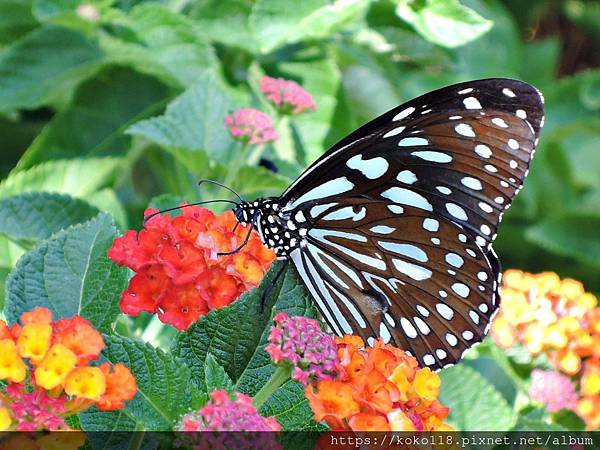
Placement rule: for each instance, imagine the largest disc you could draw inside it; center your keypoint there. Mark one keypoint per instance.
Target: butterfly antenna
(223, 186)
(147, 218)
(243, 244)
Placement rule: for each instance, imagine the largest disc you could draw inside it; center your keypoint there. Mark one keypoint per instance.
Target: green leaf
(76, 177)
(166, 389)
(257, 180)
(43, 65)
(70, 274)
(444, 22)
(103, 108)
(35, 216)
(15, 20)
(194, 120)
(225, 21)
(215, 376)
(276, 24)
(474, 403)
(574, 235)
(237, 344)
(291, 409)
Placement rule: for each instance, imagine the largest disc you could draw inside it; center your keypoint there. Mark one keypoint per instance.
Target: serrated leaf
(444, 22)
(474, 403)
(166, 389)
(43, 64)
(215, 376)
(574, 235)
(194, 120)
(290, 408)
(70, 274)
(104, 107)
(76, 177)
(233, 334)
(35, 216)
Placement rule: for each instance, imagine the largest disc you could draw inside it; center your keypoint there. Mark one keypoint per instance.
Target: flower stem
(137, 438)
(281, 375)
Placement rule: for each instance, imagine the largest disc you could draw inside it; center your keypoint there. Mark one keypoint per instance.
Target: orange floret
(120, 386)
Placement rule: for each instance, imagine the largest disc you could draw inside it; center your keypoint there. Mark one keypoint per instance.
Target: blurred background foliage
(118, 104)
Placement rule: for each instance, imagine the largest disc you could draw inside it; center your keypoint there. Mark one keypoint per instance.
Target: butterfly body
(391, 229)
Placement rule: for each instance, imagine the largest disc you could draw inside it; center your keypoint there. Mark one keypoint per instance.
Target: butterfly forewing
(397, 219)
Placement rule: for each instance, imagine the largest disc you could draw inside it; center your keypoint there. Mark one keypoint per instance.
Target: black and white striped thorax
(278, 230)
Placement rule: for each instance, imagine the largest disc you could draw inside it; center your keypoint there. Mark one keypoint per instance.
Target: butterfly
(391, 229)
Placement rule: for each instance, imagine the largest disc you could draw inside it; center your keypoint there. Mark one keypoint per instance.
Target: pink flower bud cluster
(251, 125)
(222, 413)
(301, 342)
(287, 95)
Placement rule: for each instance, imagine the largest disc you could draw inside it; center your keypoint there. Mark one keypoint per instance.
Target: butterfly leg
(267, 291)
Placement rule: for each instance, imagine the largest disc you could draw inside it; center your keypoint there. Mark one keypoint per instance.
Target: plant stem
(137, 438)
(281, 375)
(235, 166)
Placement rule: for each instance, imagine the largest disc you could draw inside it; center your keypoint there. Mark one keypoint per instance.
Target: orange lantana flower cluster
(179, 274)
(557, 317)
(47, 367)
(378, 389)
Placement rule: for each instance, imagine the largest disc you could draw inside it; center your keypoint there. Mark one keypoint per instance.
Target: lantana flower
(225, 412)
(557, 317)
(287, 95)
(46, 366)
(252, 126)
(179, 274)
(378, 389)
(299, 342)
(553, 389)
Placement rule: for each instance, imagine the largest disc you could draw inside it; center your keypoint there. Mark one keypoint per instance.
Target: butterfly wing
(400, 216)
(462, 152)
(381, 269)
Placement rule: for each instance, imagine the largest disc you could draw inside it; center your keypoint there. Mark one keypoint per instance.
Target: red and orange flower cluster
(557, 317)
(378, 389)
(179, 274)
(47, 367)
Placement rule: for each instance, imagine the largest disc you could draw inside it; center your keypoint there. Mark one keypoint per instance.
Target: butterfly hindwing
(420, 283)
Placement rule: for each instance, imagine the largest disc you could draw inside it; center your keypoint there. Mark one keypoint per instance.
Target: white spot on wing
(431, 225)
(472, 183)
(407, 177)
(404, 113)
(483, 151)
(465, 91)
(384, 333)
(412, 141)
(407, 197)
(412, 251)
(508, 92)
(512, 143)
(413, 271)
(428, 359)
(499, 122)
(370, 168)
(456, 211)
(437, 157)
(332, 187)
(454, 260)
(394, 132)
(464, 130)
(444, 190)
(347, 212)
(408, 328)
(461, 289)
(485, 207)
(382, 229)
(422, 326)
(315, 211)
(471, 103)
(521, 114)
(451, 339)
(445, 311)
(396, 209)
